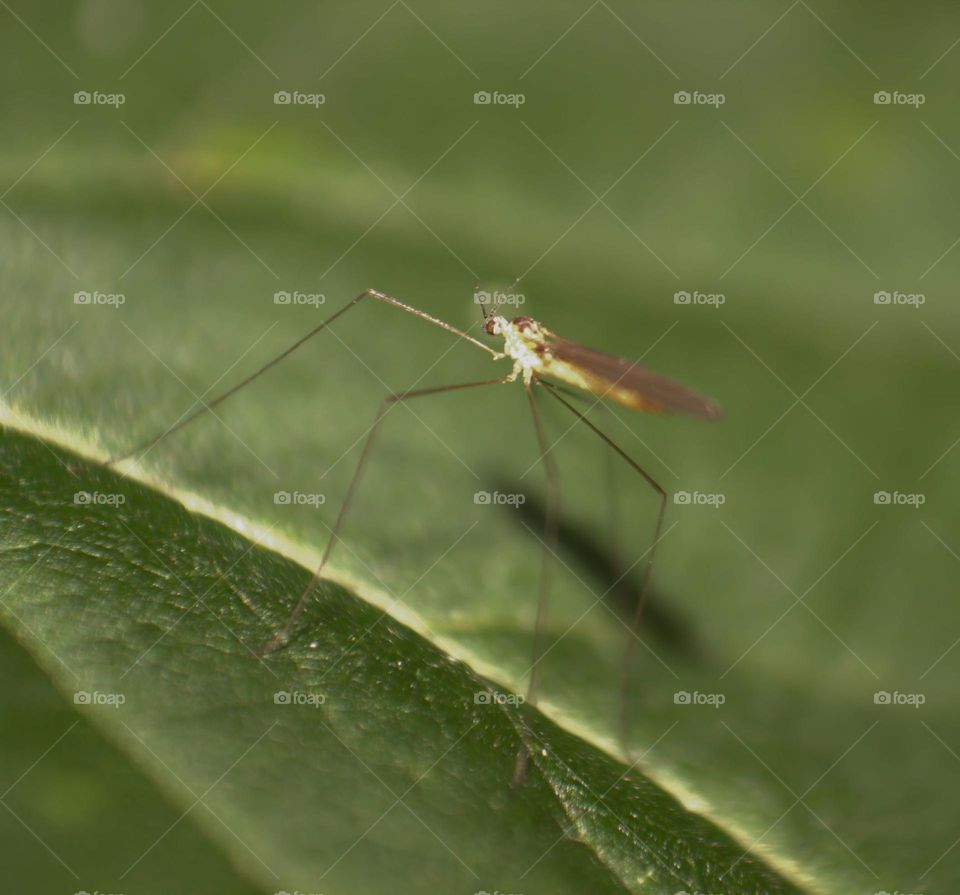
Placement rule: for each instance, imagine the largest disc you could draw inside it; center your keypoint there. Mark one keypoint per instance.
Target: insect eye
(491, 327)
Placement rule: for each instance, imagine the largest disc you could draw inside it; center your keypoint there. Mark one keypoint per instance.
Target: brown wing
(622, 380)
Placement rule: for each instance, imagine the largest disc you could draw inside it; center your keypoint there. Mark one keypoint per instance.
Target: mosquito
(540, 359)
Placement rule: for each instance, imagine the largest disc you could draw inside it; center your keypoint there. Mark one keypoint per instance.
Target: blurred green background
(798, 200)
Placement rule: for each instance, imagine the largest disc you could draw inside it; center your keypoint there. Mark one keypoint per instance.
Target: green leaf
(797, 600)
(309, 765)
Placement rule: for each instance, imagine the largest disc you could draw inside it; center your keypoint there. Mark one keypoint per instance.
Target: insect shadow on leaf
(602, 565)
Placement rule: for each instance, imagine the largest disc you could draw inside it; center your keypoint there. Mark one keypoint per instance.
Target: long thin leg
(207, 406)
(283, 635)
(610, 481)
(551, 517)
(641, 597)
(617, 565)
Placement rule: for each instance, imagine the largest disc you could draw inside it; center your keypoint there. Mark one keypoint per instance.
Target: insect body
(524, 340)
(536, 351)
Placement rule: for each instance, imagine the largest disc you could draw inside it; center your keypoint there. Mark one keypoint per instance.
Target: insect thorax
(524, 340)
